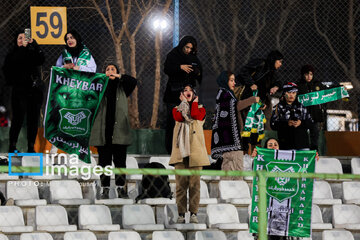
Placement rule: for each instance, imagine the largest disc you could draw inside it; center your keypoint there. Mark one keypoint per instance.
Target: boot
(105, 193)
(122, 193)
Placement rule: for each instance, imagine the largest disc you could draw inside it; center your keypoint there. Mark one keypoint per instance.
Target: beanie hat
(290, 87)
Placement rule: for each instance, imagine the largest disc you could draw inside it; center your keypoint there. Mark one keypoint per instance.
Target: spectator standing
(308, 84)
(182, 67)
(75, 56)
(291, 120)
(22, 72)
(226, 139)
(188, 151)
(111, 130)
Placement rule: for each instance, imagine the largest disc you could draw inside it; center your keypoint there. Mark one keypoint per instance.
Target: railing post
(262, 205)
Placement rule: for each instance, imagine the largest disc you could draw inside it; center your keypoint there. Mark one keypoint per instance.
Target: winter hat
(290, 87)
(306, 69)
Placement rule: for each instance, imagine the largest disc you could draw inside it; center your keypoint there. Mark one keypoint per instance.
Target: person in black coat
(182, 67)
(308, 84)
(260, 74)
(291, 120)
(22, 71)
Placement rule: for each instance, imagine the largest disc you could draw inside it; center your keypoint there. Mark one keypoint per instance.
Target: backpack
(154, 186)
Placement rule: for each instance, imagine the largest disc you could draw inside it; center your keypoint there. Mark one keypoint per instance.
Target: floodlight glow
(160, 24)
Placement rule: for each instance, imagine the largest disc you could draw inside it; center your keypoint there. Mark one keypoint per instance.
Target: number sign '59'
(48, 24)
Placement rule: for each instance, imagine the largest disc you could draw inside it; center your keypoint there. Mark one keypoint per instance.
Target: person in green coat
(111, 130)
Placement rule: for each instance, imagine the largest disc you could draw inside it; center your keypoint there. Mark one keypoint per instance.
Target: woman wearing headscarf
(226, 140)
(183, 67)
(22, 72)
(76, 55)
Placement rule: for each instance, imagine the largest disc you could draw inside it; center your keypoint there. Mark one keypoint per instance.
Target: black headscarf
(185, 40)
(272, 57)
(74, 51)
(223, 80)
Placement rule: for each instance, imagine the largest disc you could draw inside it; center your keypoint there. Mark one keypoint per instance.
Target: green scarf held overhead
(83, 59)
(324, 96)
(255, 121)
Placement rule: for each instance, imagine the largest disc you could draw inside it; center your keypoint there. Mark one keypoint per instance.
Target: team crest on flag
(282, 188)
(74, 122)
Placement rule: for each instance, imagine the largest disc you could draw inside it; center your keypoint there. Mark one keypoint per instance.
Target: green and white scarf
(82, 60)
(324, 96)
(255, 121)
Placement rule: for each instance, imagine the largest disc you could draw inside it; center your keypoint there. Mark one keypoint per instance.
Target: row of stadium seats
(237, 192)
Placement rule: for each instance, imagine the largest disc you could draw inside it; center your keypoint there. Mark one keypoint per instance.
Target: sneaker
(105, 193)
(122, 192)
(193, 218)
(181, 219)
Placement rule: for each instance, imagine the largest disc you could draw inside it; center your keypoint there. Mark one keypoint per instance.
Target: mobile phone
(27, 34)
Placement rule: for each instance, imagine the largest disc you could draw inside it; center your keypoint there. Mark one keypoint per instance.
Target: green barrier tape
(186, 172)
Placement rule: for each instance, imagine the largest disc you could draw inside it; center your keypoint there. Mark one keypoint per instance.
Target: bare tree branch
(19, 6)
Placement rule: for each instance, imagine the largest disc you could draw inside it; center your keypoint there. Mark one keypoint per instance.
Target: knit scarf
(82, 60)
(183, 137)
(255, 121)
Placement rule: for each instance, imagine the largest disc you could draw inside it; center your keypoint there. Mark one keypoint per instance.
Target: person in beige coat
(188, 151)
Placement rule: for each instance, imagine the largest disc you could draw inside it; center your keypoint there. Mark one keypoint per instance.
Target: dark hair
(270, 138)
(188, 39)
(191, 86)
(229, 73)
(306, 69)
(113, 64)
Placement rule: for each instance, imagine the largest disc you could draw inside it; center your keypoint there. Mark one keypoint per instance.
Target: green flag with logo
(72, 103)
(289, 200)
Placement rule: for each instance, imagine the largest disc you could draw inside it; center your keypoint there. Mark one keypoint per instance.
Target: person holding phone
(76, 55)
(188, 151)
(291, 120)
(182, 67)
(22, 72)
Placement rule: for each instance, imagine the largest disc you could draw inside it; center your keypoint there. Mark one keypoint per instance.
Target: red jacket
(196, 113)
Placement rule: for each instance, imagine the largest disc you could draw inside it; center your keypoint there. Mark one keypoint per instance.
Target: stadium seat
(139, 218)
(25, 193)
(351, 192)
(337, 235)
(157, 201)
(131, 162)
(244, 235)
(96, 218)
(67, 192)
(52, 218)
(12, 220)
(248, 166)
(127, 235)
(164, 161)
(167, 235)
(317, 222)
(355, 165)
(79, 236)
(235, 192)
(171, 216)
(346, 216)
(224, 217)
(204, 195)
(328, 165)
(3, 237)
(36, 236)
(210, 235)
(322, 194)
(34, 161)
